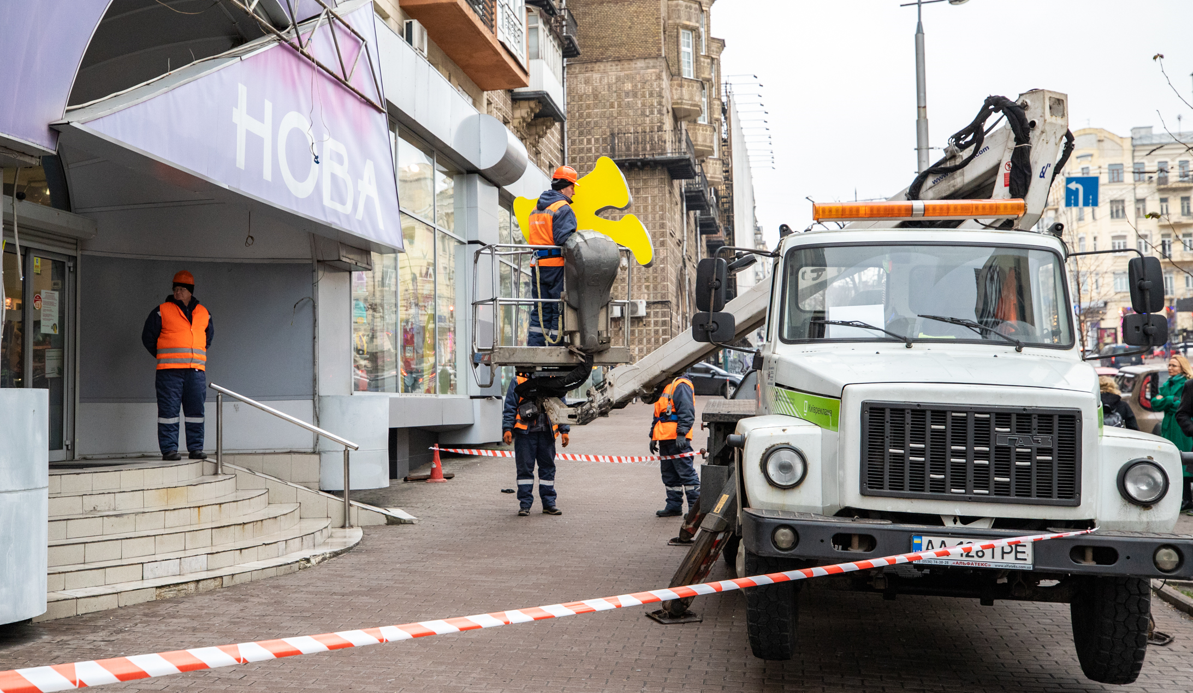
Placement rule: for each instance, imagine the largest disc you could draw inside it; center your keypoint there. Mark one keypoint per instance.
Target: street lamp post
(921, 86)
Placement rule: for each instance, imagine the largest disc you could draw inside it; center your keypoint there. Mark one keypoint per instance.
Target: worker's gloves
(565, 439)
(507, 437)
(654, 447)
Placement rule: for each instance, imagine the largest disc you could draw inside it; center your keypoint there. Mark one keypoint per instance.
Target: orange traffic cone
(436, 470)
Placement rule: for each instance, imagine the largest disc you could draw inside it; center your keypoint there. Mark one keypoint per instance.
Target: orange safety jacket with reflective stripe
(665, 417)
(182, 343)
(518, 417)
(542, 232)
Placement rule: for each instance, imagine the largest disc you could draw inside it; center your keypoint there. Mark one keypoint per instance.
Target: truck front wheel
(1110, 624)
(771, 611)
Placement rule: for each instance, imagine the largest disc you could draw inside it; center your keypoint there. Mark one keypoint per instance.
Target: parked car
(711, 380)
(1111, 358)
(1138, 384)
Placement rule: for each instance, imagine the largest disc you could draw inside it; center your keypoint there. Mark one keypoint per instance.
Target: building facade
(646, 92)
(1145, 203)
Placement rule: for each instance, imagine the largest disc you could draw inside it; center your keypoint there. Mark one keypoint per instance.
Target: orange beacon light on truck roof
(918, 209)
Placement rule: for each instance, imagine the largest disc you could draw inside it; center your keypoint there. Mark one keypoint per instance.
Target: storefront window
(445, 195)
(12, 335)
(416, 179)
(374, 326)
(448, 315)
(416, 312)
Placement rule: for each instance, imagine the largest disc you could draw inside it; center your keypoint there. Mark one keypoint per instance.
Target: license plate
(1018, 557)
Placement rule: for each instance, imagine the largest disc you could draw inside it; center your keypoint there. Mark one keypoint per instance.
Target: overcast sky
(838, 80)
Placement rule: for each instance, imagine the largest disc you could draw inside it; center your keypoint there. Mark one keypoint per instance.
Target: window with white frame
(1140, 207)
(686, 64)
(1081, 244)
(1081, 214)
(1139, 171)
(1186, 208)
(1182, 170)
(1085, 170)
(1187, 241)
(704, 34)
(1118, 242)
(511, 26)
(1161, 173)
(1163, 206)
(1141, 243)
(1120, 282)
(1118, 209)
(1114, 173)
(1169, 284)
(1166, 246)
(541, 44)
(703, 104)
(1189, 281)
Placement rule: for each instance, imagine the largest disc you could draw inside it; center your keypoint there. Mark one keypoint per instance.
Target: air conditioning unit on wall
(637, 309)
(415, 34)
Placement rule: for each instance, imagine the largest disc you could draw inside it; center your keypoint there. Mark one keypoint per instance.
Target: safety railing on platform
(219, 438)
(498, 254)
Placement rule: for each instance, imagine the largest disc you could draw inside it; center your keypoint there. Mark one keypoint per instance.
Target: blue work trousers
(545, 282)
(530, 448)
(186, 387)
(679, 475)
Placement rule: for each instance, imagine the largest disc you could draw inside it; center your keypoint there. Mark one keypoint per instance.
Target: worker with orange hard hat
(551, 223)
(178, 334)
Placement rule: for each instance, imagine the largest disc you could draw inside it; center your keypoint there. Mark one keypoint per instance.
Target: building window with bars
(686, 65)
(1118, 209)
(1139, 171)
(1120, 282)
(1118, 243)
(1115, 173)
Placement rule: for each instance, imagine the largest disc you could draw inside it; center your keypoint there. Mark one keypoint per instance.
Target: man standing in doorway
(178, 334)
(533, 437)
(551, 223)
(670, 433)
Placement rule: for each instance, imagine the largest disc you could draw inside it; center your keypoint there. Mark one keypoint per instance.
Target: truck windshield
(1016, 292)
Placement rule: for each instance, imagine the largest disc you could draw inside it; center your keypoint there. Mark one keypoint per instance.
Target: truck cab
(924, 387)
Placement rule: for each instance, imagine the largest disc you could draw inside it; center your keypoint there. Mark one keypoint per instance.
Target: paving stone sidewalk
(471, 554)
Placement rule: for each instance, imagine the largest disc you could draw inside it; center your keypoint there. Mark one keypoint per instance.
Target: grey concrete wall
(24, 503)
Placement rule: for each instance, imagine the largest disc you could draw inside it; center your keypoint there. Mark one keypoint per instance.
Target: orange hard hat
(184, 277)
(565, 173)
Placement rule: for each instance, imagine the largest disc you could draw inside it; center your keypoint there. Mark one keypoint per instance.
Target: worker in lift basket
(670, 433)
(533, 437)
(551, 223)
(178, 334)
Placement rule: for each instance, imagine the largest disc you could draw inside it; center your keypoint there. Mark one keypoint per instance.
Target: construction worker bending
(178, 333)
(551, 223)
(670, 433)
(533, 437)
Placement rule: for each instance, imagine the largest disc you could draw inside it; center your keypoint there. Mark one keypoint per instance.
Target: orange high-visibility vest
(665, 419)
(518, 417)
(182, 343)
(542, 232)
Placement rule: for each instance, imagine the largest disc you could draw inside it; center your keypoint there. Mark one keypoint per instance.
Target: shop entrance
(37, 344)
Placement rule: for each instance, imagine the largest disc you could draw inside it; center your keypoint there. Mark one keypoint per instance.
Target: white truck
(921, 385)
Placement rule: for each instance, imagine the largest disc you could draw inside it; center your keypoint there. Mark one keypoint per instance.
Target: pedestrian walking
(533, 436)
(1168, 400)
(551, 223)
(1115, 412)
(178, 334)
(670, 434)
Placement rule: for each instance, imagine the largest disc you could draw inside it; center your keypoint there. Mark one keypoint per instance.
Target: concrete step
(126, 476)
(228, 507)
(305, 535)
(273, 518)
(63, 603)
(176, 493)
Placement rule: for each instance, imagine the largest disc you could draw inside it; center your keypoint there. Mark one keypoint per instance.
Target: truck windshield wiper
(976, 327)
(865, 326)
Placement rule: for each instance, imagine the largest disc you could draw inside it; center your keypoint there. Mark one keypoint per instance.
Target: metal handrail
(219, 437)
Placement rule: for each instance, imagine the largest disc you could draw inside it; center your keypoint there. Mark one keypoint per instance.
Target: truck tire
(1110, 623)
(771, 611)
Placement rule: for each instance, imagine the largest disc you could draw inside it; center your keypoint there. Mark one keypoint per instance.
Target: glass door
(36, 350)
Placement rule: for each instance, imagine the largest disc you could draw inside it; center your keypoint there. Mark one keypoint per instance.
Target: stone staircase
(138, 531)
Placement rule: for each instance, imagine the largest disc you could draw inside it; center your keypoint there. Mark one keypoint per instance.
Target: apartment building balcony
(666, 148)
(687, 98)
(686, 13)
(466, 30)
(703, 139)
(709, 222)
(698, 194)
(565, 28)
(1171, 182)
(704, 68)
(714, 170)
(545, 88)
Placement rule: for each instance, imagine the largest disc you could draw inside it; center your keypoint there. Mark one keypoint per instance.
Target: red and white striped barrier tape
(62, 677)
(571, 456)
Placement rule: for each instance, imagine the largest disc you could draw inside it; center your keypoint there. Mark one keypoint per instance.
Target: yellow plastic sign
(604, 188)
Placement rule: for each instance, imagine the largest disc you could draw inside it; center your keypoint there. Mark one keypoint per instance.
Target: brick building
(646, 92)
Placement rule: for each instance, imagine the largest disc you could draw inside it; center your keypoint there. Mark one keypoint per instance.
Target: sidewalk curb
(1174, 597)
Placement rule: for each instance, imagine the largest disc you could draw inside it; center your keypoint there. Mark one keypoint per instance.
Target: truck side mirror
(741, 263)
(1146, 279)
(713, 327)
(710, 284)
(1143, 329)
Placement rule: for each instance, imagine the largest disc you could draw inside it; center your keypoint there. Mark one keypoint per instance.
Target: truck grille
(992, 454)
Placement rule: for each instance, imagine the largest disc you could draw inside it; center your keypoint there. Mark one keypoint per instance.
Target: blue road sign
(1081, 191)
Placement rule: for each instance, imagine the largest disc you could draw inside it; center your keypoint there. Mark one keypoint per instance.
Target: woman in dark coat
(1115, 412)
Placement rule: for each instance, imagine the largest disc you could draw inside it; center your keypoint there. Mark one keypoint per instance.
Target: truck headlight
(1142, 482)
(784, 466)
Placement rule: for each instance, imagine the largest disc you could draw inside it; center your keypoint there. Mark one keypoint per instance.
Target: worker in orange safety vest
(670, 434)
(551, 223)
(178, 334)
(532, 434)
